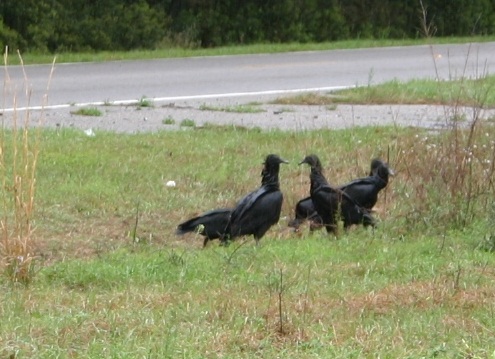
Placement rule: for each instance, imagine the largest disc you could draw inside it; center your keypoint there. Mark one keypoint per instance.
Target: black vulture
(363, 190)
(305, 210)
(260, 209)
(210, 224)
(333, 204)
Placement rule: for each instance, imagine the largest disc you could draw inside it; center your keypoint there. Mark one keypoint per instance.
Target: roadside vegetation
(253, 107)
(34, 57)
(457, 92)
(118, 25)
(87, 111)
(91, 266)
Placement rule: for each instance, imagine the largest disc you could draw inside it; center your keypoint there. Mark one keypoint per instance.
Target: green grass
(253, 107)
(464, 92)
(87, 111)
(30, 58)
(187, 122)
(420, 286)
(144, 102)
(168, 121)
(396, 299)
(461, 92)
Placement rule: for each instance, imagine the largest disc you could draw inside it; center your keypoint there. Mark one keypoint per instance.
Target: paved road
(203, 77)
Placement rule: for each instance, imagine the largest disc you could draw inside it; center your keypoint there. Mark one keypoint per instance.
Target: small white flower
(89, 132)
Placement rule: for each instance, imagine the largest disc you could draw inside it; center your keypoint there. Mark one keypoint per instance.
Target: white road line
(181, 98)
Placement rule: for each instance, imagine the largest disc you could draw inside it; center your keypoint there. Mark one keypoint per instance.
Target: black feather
(260, 209)
(332, 204)
(364, 191)
(210, 224)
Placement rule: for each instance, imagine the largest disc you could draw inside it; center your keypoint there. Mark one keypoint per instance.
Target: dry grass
(18, 162)
(450, 175)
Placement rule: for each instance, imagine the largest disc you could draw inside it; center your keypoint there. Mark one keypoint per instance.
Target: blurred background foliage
(51, 26)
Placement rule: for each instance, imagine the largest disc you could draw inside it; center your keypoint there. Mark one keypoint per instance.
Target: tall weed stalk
(19, 150)
(449, 175)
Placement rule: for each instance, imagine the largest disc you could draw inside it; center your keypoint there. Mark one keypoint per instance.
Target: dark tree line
(74, 25)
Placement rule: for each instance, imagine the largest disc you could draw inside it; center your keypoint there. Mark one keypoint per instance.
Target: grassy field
(112, 280)
(108, 277)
